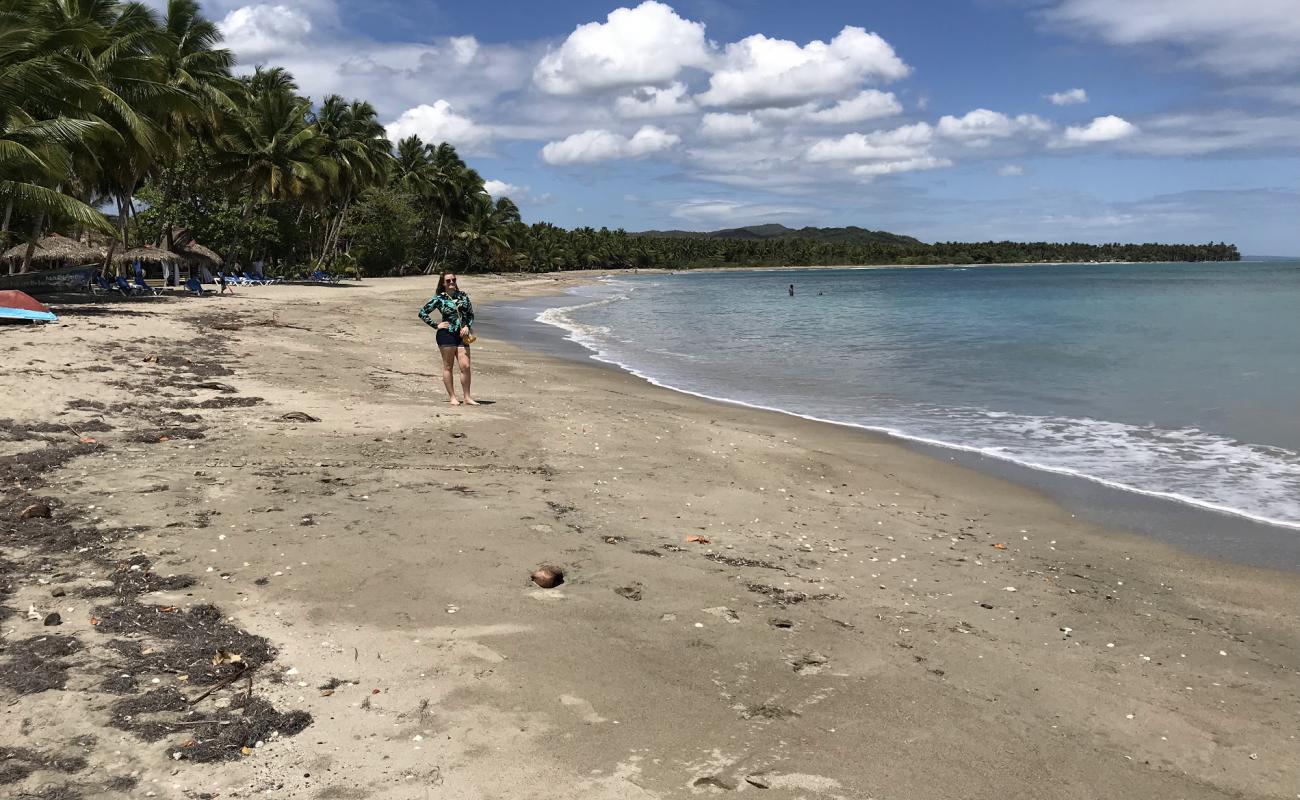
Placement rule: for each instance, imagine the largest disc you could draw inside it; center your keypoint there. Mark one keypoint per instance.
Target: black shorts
(448, 339)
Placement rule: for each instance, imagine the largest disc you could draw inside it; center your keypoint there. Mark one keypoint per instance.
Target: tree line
(111, 105)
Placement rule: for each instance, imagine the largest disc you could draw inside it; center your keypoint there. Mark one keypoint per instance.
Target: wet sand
(863, 620)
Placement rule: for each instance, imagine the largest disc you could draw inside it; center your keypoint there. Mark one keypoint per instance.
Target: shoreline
(786, 268)
(846, 631)
(1167, 510)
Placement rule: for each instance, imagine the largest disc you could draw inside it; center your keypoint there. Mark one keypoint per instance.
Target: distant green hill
(777, 245)
(850, 235)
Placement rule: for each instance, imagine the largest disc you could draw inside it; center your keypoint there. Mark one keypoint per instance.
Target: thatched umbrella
(164, 260)
(146, 255)
(199, 255)
(56, 251)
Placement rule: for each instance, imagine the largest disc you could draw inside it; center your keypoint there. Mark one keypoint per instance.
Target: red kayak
(16, 305)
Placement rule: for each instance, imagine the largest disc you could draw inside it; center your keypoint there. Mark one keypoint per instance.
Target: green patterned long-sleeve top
(455, 308)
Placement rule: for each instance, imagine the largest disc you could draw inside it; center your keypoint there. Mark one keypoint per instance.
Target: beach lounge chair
(194, 287)
(144, 287)
(105, 287)
(100, 286)
(125, 288)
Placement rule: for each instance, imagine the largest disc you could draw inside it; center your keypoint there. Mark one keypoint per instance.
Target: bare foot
(454, 401)
(469, 401)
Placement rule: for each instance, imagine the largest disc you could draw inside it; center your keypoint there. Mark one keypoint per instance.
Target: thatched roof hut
(146, 256)
(198, 255)
(56, 251)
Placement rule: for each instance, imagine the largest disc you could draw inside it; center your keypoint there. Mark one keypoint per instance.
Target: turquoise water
(1179, 381)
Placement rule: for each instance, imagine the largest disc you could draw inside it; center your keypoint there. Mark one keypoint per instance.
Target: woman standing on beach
(453, 333)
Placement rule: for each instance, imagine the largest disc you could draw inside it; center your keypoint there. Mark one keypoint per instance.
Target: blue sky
(1173, 120)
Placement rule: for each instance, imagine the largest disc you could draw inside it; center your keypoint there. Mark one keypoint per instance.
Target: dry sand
(863, 621)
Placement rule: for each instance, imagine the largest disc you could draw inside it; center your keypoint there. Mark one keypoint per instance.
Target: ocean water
(1178, 381)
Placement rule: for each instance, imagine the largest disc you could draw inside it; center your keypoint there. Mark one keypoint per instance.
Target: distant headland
(775, 244)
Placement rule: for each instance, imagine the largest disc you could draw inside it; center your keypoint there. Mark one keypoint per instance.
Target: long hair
(442, 282)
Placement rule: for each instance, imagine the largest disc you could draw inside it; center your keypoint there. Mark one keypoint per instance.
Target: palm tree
(270, 153)
(268, 80)
(192, 61)
(353, 139)
(40, 125)
(487, 230)
(412, 167)
(117, 46)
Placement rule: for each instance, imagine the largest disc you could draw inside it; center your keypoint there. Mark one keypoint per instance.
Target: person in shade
(454, 334)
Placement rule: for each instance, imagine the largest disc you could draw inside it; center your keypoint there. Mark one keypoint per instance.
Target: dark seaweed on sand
(229, 402)
(786, 597)
(36, 664)
(17, 763)
(209, 734)
(142, 640)
(134, 577)
(155, 435)
(189, 641)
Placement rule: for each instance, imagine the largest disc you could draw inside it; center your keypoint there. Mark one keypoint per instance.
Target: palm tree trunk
(31, 245)
(4, 229)
(248, 214)
(332, 233)
(437, 240)
(122, 220)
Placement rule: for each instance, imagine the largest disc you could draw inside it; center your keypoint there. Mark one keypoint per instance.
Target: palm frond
(33, 197)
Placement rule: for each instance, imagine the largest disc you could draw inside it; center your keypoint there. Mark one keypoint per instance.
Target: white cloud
(1012, 171)
(258, 31)
(981, 126)
(907, 142)
(439, 123)
(499, 189)
(758, 72)
(649, 44)
(651, 101)
(1109, 128)
(732, 213)
(905, 165)
(602, 145)
(866, 105)
(887, 152)
(788, 114)
(464, 48)
(1254, 36)
(326, 55)
(729, 126)
(1070, 97)
(1225, 131)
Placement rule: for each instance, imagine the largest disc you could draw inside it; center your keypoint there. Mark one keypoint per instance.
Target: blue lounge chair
(125, 288)
(144, 287)
(192, 285)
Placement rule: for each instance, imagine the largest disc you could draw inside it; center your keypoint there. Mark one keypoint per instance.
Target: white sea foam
(1186, 465)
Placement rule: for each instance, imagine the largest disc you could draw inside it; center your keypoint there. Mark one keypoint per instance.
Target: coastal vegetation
(121, 125)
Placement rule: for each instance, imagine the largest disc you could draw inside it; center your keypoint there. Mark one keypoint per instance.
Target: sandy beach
(752, 603)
